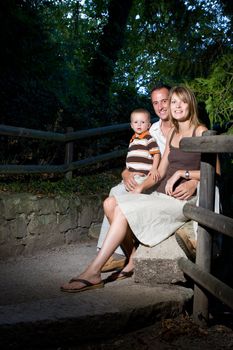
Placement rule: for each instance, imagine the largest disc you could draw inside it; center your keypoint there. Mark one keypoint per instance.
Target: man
(159, 130)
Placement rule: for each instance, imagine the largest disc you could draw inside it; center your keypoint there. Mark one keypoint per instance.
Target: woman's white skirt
(152, 217)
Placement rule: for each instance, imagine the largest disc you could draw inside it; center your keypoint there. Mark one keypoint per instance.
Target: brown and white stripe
(140, 153)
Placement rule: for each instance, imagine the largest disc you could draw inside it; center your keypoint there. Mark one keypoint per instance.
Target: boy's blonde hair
(141, 110)
(186, 95)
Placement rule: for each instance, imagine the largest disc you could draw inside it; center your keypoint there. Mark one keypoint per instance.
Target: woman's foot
(81, 283)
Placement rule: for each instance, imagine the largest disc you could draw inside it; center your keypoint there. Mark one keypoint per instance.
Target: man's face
(159, 99)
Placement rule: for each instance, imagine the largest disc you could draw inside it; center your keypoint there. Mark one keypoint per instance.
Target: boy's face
(140, 122)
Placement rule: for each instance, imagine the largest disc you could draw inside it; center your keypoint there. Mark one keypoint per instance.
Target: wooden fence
(68, 139)
(208, 221)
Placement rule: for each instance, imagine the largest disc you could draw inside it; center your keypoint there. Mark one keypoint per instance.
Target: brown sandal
(87, 286)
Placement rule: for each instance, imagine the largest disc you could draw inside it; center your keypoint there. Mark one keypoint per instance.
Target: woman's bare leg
(118, 230)
(127, 245)
(130, 265)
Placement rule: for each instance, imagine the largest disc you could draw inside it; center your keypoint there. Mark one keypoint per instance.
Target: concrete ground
(34, 313)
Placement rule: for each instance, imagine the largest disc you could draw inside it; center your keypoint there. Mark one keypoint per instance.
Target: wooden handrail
(208, 144)
(205, 280)
(55, 136)
(36, 169)
(68, 138)
(208, 221)
(208, 218)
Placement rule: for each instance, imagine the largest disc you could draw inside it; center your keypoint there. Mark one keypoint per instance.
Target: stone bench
(159, 264)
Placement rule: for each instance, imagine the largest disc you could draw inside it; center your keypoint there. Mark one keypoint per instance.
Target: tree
(29, 66)
(176, 41)
(216, 91)
(101, 67)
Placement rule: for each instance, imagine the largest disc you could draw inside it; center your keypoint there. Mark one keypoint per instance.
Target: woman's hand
(185, 190)
(171, 182)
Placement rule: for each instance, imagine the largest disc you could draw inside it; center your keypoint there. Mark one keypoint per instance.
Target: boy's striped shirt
(140, 153)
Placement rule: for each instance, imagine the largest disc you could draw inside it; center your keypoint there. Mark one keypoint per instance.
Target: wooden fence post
(204, 236)
(69, 151)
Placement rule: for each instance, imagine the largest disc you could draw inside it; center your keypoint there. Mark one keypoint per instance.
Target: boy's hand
(155, 174)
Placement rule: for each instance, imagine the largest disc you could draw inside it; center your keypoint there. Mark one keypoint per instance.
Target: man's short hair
(160, 86)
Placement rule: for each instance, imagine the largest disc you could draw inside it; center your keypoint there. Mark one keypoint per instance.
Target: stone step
(35, 314)
(159, 264)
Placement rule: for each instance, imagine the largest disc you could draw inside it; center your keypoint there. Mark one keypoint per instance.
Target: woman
(149, 219)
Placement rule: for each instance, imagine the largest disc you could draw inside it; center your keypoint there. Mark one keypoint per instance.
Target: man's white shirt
(155, 131)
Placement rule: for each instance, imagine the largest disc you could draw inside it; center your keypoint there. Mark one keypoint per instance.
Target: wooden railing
(208, 221)
(68, 139)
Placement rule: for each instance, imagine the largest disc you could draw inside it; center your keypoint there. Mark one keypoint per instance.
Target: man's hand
(185, 190)
(137, 189)
(128, 179)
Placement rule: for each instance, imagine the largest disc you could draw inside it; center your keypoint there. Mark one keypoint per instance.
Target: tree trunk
(101, 69)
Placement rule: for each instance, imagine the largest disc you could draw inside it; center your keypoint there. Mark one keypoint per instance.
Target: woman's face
(179, 108)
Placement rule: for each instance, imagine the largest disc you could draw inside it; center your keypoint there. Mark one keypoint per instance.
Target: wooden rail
(67, 138)
(208, 145)
(55, 136)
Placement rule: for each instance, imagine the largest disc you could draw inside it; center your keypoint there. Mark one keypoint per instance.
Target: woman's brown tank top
(179, 159)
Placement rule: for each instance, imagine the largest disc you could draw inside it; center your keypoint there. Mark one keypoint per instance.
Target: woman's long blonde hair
(186, 95)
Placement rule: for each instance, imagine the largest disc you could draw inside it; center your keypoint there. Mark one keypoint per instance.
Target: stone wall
(29, 223)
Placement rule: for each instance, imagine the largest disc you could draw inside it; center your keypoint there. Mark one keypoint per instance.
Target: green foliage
(176, 41)
(80, 185)
(216, 91)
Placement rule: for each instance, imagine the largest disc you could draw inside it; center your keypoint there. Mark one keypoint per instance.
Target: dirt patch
(179, 333)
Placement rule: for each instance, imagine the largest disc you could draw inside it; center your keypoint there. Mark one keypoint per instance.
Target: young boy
(143, 153)
(142, 158)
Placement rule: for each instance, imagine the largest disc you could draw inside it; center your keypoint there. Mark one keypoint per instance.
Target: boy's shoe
(186, 244)
(113, 264)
